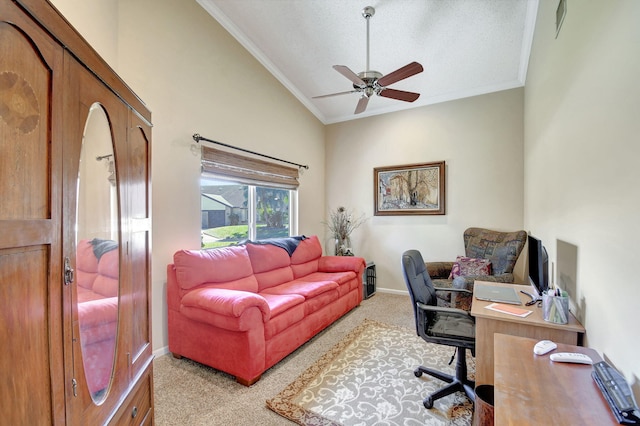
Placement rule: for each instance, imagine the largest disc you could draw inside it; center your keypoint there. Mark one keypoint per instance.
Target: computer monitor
(538, 266)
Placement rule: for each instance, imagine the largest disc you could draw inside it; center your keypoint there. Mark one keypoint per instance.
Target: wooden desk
(533, 390)
(489, 322)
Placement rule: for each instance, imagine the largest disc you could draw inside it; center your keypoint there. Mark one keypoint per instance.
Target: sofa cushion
(273, 278)
(86, 264)
(98, 319)
(321, 301)
(338, 277)
(267, 257)
(349, 286)
(286, 310)
(304, 259)
(106, 282)
(308, 289)
(279, 303)
(214, 266)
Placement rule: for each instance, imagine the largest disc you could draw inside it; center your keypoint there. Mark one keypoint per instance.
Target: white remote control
(576, 358)
(543, 347)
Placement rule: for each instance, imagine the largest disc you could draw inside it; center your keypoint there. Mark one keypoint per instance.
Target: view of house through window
(233, 212)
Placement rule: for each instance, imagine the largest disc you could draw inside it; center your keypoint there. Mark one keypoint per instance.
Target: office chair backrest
(417, 279)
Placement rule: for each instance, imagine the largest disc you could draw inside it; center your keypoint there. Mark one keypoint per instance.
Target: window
(243, 198)
(233, 212)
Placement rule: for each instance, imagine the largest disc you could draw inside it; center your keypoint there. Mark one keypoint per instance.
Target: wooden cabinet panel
(31, 362)
(139, 200)
(25, 100)
(49, 78)
(24, 332)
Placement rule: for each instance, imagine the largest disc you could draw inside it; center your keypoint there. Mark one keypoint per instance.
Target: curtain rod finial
(197, 137)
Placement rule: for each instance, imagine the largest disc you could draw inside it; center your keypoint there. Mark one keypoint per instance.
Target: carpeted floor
(188, 393)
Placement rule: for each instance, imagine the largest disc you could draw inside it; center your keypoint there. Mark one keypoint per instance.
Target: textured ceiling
(467, 47)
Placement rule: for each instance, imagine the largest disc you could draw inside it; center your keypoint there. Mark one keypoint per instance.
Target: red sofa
(97, 274)
(242, 309)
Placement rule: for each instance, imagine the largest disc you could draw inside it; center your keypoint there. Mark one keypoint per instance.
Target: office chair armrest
(453, 290)
(432, 308)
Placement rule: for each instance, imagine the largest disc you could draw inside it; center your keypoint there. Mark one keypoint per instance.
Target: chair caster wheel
(417, 373)
(428, 402)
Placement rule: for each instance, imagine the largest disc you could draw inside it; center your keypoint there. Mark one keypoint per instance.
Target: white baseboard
(393, 291)
(160, 352)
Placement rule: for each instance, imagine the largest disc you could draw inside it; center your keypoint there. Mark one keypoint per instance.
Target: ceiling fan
(371, 82)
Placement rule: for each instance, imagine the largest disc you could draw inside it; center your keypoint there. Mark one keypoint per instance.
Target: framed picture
(410, 189)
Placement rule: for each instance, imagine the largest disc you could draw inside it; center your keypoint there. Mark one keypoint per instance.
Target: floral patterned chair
(500, 249)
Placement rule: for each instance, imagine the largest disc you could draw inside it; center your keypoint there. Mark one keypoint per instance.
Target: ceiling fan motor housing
(371, 86)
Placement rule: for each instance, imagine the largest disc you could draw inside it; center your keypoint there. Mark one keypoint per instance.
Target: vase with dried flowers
(341, 224)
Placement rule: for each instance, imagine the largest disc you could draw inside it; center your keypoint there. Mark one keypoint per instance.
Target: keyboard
(617, 392)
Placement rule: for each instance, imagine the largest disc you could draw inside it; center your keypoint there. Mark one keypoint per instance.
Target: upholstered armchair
(501, 249)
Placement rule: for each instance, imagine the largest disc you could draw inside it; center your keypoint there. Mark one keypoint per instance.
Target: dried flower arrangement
(341, 224)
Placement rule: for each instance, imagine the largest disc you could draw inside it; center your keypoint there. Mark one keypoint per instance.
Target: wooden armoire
(75, 230)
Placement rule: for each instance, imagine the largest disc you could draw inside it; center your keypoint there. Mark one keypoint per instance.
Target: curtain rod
(198, 138)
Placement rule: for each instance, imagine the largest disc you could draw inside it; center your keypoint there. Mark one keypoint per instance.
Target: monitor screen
(538, 265)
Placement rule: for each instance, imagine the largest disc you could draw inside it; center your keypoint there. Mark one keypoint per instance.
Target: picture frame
(412, 189)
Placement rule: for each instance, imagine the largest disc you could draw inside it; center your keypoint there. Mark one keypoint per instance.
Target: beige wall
(479, 138)
(582, 145)
(196, 78)
(97, 22)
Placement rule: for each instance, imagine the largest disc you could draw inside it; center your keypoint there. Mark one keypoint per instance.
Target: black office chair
(444, 326)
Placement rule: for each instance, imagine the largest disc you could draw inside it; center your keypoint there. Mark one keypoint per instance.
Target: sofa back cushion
(225, 267)
(107, 282)
(86, 264)
(304, 260)
(271, 265)
(97, 267)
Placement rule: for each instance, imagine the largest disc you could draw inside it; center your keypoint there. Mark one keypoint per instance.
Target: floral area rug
(367, 379)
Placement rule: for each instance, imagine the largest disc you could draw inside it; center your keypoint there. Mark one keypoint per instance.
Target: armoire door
(96, 310)
(136, 279)
(31, 85)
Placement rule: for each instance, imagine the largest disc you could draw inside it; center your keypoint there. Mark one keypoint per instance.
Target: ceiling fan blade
(344, 70)
(400, 95)
(362, 105)
(400, 74)
(334, 94)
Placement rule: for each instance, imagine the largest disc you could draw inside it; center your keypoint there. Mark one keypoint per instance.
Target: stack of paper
(509, 309)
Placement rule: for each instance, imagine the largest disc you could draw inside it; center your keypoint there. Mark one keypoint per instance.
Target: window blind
(248, 170)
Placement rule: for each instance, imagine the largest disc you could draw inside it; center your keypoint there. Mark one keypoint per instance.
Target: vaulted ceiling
(467, 47)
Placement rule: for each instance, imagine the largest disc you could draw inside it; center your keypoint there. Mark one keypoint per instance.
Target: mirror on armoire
(97, 253)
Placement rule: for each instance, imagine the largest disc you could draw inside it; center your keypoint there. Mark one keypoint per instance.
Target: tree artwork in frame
(409, 190)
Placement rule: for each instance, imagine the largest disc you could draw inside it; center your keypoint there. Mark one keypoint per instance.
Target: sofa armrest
(230, 303)
(439, 270)
(341, 264)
